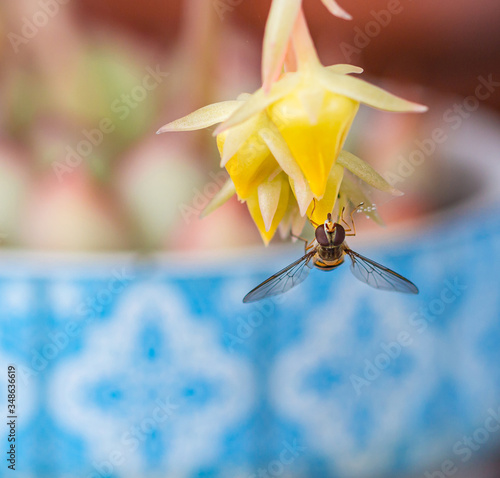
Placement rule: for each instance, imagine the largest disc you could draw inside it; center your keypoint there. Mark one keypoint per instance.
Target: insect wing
(283, 280)
(377, 275)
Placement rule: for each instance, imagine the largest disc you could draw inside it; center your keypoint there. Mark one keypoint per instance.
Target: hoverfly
(327, 252)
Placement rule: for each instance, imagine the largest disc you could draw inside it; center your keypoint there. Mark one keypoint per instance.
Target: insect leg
(341, 218)
(353, 229)
(306, 247)
(310, 220)
(348, 228)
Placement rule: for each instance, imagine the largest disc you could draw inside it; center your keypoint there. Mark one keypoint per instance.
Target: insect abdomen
(328, 258)
(327, 265)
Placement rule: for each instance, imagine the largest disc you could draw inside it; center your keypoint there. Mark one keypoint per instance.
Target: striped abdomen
(328, 258)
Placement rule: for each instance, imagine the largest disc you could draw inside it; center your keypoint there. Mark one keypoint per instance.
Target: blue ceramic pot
(127, 369)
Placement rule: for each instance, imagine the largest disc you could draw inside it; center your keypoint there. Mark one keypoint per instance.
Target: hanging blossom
(280, 23)
(282, 145)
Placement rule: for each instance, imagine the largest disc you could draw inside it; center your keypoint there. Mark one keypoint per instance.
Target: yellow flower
(314, 123)
(269, 208)
(279, 26)
(282, 145)
(246, 156)
(269, 204)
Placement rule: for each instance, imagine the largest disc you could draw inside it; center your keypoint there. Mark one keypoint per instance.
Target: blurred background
(117, 299)
(81, 166)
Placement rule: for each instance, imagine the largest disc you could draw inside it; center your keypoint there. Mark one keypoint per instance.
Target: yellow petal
(281, 152)
(365, 92)
(280, 23)
(252, 164)
(365, 172)
(319, 209)
(253, 203)
(342, 200)
(268, 193)
(260, 101)
(293, 222)
(203, 117)
(312, 102)
(344, 69)
(235, 138)
(314, 147)
(303, 195)
(286, 223)
(336, 10)
(226, 192)
(350, 192)
(298, 223)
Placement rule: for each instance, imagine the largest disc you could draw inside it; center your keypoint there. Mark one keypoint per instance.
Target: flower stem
(305, 51)
(290, 58)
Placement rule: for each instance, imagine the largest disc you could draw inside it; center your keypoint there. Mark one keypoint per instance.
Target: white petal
(243, 96)
(293, 222)
(269, 197)
(227, 191)
(284, 228)
(275, 173)
(298, 223)
(235, 137)
(203, 117)
(336, 10)
(350, 191)
(260, 101)
(280, 150)
(344, 69)
(279, 26)
(303, 195)
(365, 172)
(286, 223)
(365, 92)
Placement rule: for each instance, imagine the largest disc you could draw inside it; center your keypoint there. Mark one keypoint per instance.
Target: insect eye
(339, 235)
(321, 236)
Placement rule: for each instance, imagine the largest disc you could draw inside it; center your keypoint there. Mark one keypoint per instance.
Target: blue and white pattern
(128, 370)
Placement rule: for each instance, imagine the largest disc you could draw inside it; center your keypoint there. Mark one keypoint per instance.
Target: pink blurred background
(86, 83)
